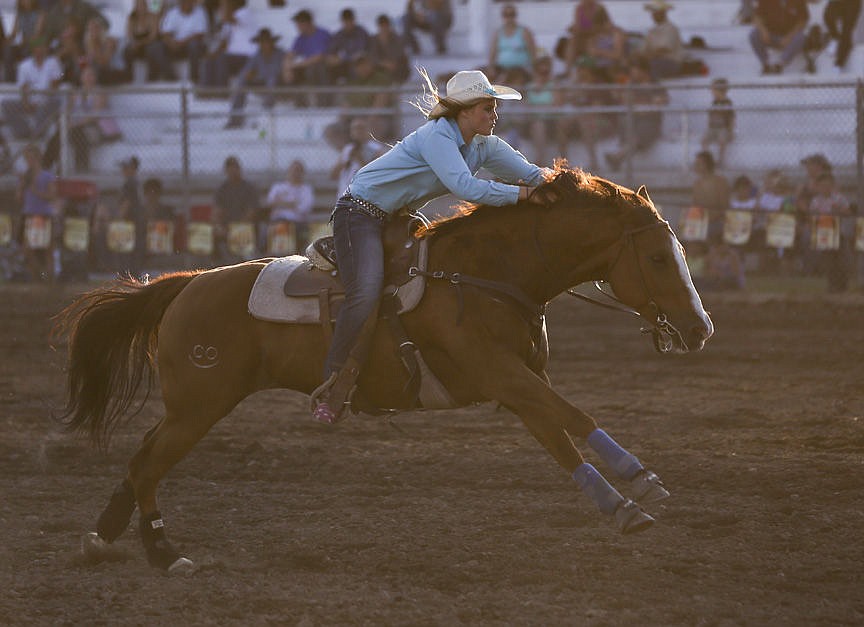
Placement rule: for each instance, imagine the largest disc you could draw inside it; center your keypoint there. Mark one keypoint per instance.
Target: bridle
(661, 329)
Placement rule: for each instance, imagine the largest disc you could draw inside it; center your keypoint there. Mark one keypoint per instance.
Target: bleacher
(771, 131)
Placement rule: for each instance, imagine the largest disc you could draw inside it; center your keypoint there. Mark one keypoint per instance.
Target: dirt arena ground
(460, 517)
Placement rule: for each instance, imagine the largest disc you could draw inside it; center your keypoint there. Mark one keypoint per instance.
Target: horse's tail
(112, 334)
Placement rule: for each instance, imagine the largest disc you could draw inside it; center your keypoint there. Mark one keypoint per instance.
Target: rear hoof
(647, 488)
(631, 518)
(182, 566)
(93, 547)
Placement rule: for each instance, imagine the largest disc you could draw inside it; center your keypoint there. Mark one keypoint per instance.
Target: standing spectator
(142, 30)
(645, 127)
(36, 192)
(306, 64)
(512, 45)
(827, 200)
(345, 44)
(231, 46)
(291, 200)
(262, 70)
(236, 200)
(721, 120)
(662, 46)
(711, 192)
(38, 78)
(360, 150)
(840, 18)
(181, 36)
(129, 209)
(24, 29)
(575, 45)
(432, 16)
(778, 24)
(387, 50)
(65, 11)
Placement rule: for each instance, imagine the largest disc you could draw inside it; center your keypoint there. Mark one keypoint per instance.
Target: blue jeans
(788, 53)
(360, 255)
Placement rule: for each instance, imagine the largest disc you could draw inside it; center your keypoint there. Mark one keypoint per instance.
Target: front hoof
(93, 547)
(183, 566)
(631, 518)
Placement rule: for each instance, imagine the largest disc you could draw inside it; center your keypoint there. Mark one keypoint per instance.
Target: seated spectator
(262, 70)
(387, 50)
(99, 53)
(345, 44)
(361, 148)
(231, 45)
(814, 165)
(647, 126)
(744, 197)
(181, 36)
(710, 192)
(662, 46)
(39, 75)
(512, 45)
(236, 200)
(369, 81)
(575, 44)
(724, 269)
(70, 53)
(432, 16)
(292, 201)
(90, 123)
(25, 27)
(607, 48)
(589, 127)
(840, 17)
(64, 11)
(36, 192)
(778, 24)
(541, 91)
(721, 120)
(306, 63)
(142, 29)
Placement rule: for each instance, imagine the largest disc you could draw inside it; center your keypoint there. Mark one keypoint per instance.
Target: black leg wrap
(115, 518)
(160, 553)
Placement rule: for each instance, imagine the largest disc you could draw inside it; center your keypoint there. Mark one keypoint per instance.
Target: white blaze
(695, 301)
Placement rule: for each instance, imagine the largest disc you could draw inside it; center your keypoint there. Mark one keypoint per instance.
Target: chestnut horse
(479, 327)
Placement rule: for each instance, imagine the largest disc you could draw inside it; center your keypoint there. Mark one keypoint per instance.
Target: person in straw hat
(662, 46)
(442, 155)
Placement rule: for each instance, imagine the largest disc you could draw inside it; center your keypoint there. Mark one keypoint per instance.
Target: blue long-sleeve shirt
(434, 160)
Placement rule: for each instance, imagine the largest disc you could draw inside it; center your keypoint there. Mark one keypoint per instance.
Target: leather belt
(352, 203)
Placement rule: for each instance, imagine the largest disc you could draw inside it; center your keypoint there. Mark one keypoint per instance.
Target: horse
(479, 326)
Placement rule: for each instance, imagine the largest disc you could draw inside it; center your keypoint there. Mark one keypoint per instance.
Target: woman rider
(443, 155)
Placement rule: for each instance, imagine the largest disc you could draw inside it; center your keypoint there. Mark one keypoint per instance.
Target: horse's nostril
(701, 331)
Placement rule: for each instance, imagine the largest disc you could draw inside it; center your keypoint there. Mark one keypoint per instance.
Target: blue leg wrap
(626, 465)
(597, 488)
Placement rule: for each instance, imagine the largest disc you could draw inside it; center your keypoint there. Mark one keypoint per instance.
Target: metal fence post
(63, 132)
(184, 122)
(859, 151)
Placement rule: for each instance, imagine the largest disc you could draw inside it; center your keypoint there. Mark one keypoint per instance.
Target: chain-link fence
(182, 135)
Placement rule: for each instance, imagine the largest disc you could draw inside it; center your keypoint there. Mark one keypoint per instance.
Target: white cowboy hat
(658, 5)
(469, 86)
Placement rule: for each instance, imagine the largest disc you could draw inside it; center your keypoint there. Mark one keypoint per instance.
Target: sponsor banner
(780, 230)
(120, 236)
(76, 234)
(825, 233)
(241, 238)
(281, 239)
(694, 224)
(199, 238)
(737, 227)
(5, 229)
(37, 232)
(160, 237)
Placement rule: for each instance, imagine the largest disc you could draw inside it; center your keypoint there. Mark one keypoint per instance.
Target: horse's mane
(566, 185)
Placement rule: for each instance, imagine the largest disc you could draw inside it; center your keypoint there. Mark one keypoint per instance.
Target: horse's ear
(643, 193)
